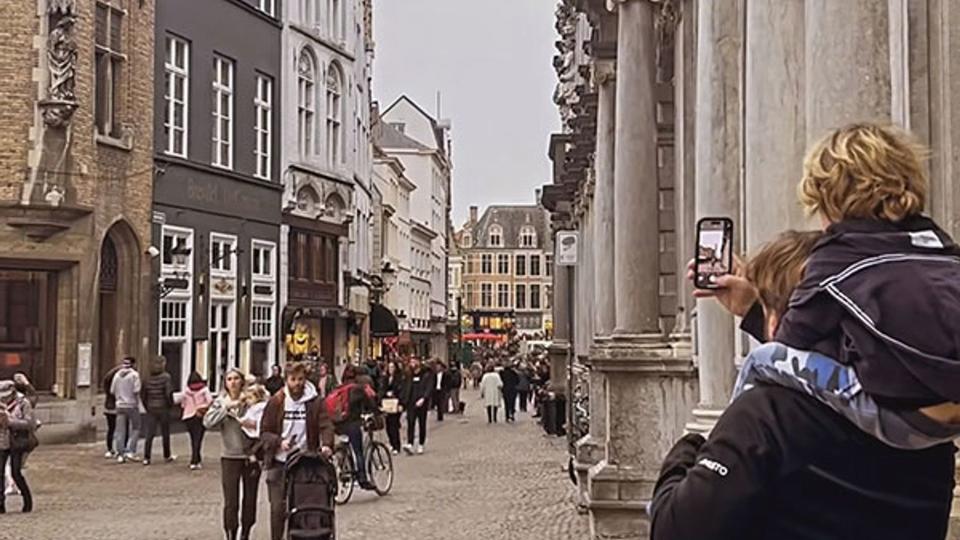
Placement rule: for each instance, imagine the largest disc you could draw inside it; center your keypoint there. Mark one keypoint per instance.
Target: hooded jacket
(126, 388)
(158, 390)
(319, 433)
(885, 298)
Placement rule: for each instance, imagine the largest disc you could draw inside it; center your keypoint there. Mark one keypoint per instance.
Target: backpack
(337, 402)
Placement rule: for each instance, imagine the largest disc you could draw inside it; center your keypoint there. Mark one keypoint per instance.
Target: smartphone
(714, 256)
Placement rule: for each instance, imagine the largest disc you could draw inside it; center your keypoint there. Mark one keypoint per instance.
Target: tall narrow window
(534, 297)
(521, 297)
(503, 263)
(486, 263)
(306, 108)
(335, 19)
(222, 112)
(503, 295)
(521, 265)
(334, 93)
(177, 104)
(534, 265)
(496, 236)
(528, 237)
(486, 295)
(109, 63)
(263, 103)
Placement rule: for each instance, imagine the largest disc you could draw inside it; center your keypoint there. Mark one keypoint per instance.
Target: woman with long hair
(236, 466)
(391, 389)
(17, 438)
(195, 401)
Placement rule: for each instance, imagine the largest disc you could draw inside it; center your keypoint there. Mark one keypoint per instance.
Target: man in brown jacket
(295, 419)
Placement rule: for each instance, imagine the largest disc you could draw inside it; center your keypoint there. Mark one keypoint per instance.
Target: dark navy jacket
(884, 297)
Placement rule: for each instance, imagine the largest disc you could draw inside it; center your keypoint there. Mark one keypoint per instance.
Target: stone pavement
(474, 482)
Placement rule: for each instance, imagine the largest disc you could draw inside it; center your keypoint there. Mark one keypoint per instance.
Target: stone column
(775, 119)
(647, 386)
(857, 85)
(559, 351)
(590, 449)
(719, 130)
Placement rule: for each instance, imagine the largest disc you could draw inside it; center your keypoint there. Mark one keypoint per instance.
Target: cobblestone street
(474, 482)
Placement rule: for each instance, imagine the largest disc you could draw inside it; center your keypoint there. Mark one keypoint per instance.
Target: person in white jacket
(126, 388)
(491, 387)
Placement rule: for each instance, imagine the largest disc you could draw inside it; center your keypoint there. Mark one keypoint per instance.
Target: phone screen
(714, 257)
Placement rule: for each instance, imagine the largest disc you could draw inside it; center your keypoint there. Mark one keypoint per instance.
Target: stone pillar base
(704, 418)
(588, 452)
(618, 502)
(559, 355)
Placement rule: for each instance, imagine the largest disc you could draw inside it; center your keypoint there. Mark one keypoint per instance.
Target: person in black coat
(157, 396)
(440, 393)
(392, 385)
(416, 402)
(511, 381)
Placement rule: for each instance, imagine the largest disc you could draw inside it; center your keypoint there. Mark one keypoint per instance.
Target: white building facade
(327, 163)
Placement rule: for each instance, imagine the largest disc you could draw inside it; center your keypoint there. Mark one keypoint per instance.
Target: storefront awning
(383, 323)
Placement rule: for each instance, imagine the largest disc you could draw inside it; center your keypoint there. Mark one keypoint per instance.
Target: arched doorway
(118, 298)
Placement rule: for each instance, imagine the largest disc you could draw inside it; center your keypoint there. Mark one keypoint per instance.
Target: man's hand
(285, 445)
(420, 402)
(735, 293)
(326, 451)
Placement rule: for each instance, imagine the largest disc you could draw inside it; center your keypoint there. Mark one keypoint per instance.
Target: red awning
(481, 337)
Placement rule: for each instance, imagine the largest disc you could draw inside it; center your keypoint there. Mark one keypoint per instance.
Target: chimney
(473, 214)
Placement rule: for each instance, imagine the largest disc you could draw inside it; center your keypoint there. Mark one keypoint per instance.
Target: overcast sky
(491, 62)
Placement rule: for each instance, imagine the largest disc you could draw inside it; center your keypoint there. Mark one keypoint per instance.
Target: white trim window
(306, 103)
(535, 265)
(109, 60)
(176, 242)
(262, 263)
(503, 295)
(496, 236)
(223, 254)
(528, 237)
(269, 7)
(535, 298)
(486, 295)
(173, 319)
(176, 96)
(521, 296)
(334, 140)
(503, 263)
(222, 112)
(263, 124)
(261, 322)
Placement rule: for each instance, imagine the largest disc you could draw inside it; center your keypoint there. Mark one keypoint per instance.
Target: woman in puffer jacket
(17, 438)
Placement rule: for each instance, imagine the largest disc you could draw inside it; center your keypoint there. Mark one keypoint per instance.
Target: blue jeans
(355, 434)
(838, 386)
(127, 418)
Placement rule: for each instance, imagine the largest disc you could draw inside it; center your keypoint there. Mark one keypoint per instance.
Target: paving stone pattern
(475, 481)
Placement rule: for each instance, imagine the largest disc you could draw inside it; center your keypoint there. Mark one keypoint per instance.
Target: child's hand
(735, 293)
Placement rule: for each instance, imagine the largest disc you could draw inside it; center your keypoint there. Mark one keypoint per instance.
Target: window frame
(520, 296)
(113, 64)
(306, 103)
(520, 265)
(223, 139)
(503, 264)
(175, 233)
(176, 75)
(535, 293)
(333, 91)
(264, 247)
(535, 257)
(261, 323)
(216, 267)
(496, 232)
(486, 264)
(486, 295)
(503, 295)
(269, 7)
(263, 127)
(177, 321)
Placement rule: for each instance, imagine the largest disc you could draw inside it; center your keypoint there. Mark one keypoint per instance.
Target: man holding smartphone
(294, 419)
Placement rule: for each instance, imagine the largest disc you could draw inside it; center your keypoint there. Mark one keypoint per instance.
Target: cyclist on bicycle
(361, 398)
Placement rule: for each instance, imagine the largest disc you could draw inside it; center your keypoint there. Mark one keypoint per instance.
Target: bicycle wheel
(380, 468)
(343, 463)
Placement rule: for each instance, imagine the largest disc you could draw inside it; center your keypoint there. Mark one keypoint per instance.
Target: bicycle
(376, 457)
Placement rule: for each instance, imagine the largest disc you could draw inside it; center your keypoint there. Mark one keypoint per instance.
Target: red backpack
(337, 402)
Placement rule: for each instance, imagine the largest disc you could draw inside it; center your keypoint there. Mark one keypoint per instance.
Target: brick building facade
(76, 81)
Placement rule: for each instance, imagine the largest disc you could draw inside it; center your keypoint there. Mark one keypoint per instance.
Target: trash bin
(555, 414)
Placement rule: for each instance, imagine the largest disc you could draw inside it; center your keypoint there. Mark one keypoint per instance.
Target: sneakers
(170, 459)
(408, 448)
(419, 449)
(130, 457)
(195, 466)
(395, 452)
(110, 455)
(146, 463)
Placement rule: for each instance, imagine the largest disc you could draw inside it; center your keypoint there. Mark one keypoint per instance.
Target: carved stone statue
(62, 60)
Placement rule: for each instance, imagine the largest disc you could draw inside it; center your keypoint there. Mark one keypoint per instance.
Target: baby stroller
(311, 484)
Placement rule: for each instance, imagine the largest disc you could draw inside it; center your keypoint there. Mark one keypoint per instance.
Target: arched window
(334, 115)
(306, 106)
(528, 237)
(495, 236)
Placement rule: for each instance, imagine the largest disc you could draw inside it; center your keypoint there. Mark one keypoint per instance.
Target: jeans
(455, 400)
(355, 434)
(510, 404)
(492, 414)
(16, 470)
(393, 431)
(196, 430)
(278, 502)
(440, 401)
(524, 400)
(153, 420)
(111, 429)
(236, 473)
(414, 416)
(128, 430)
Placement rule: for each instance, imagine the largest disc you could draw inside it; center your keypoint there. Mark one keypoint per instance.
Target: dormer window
(528, 237)
(496, 236)
(466, 240)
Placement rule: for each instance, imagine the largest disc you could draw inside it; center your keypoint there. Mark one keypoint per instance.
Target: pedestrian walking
(453, 388)
(275, 381)
(110, 413)
(237, 472)
(511, 382)
(195, 402)
(126, 389)
(295, 419)
(17, 438)
(523, 386)
(326, 381)
(490, 392)
(416, 394)
(476, 373)
(439, 396)
(391, 389)
(157, 395)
